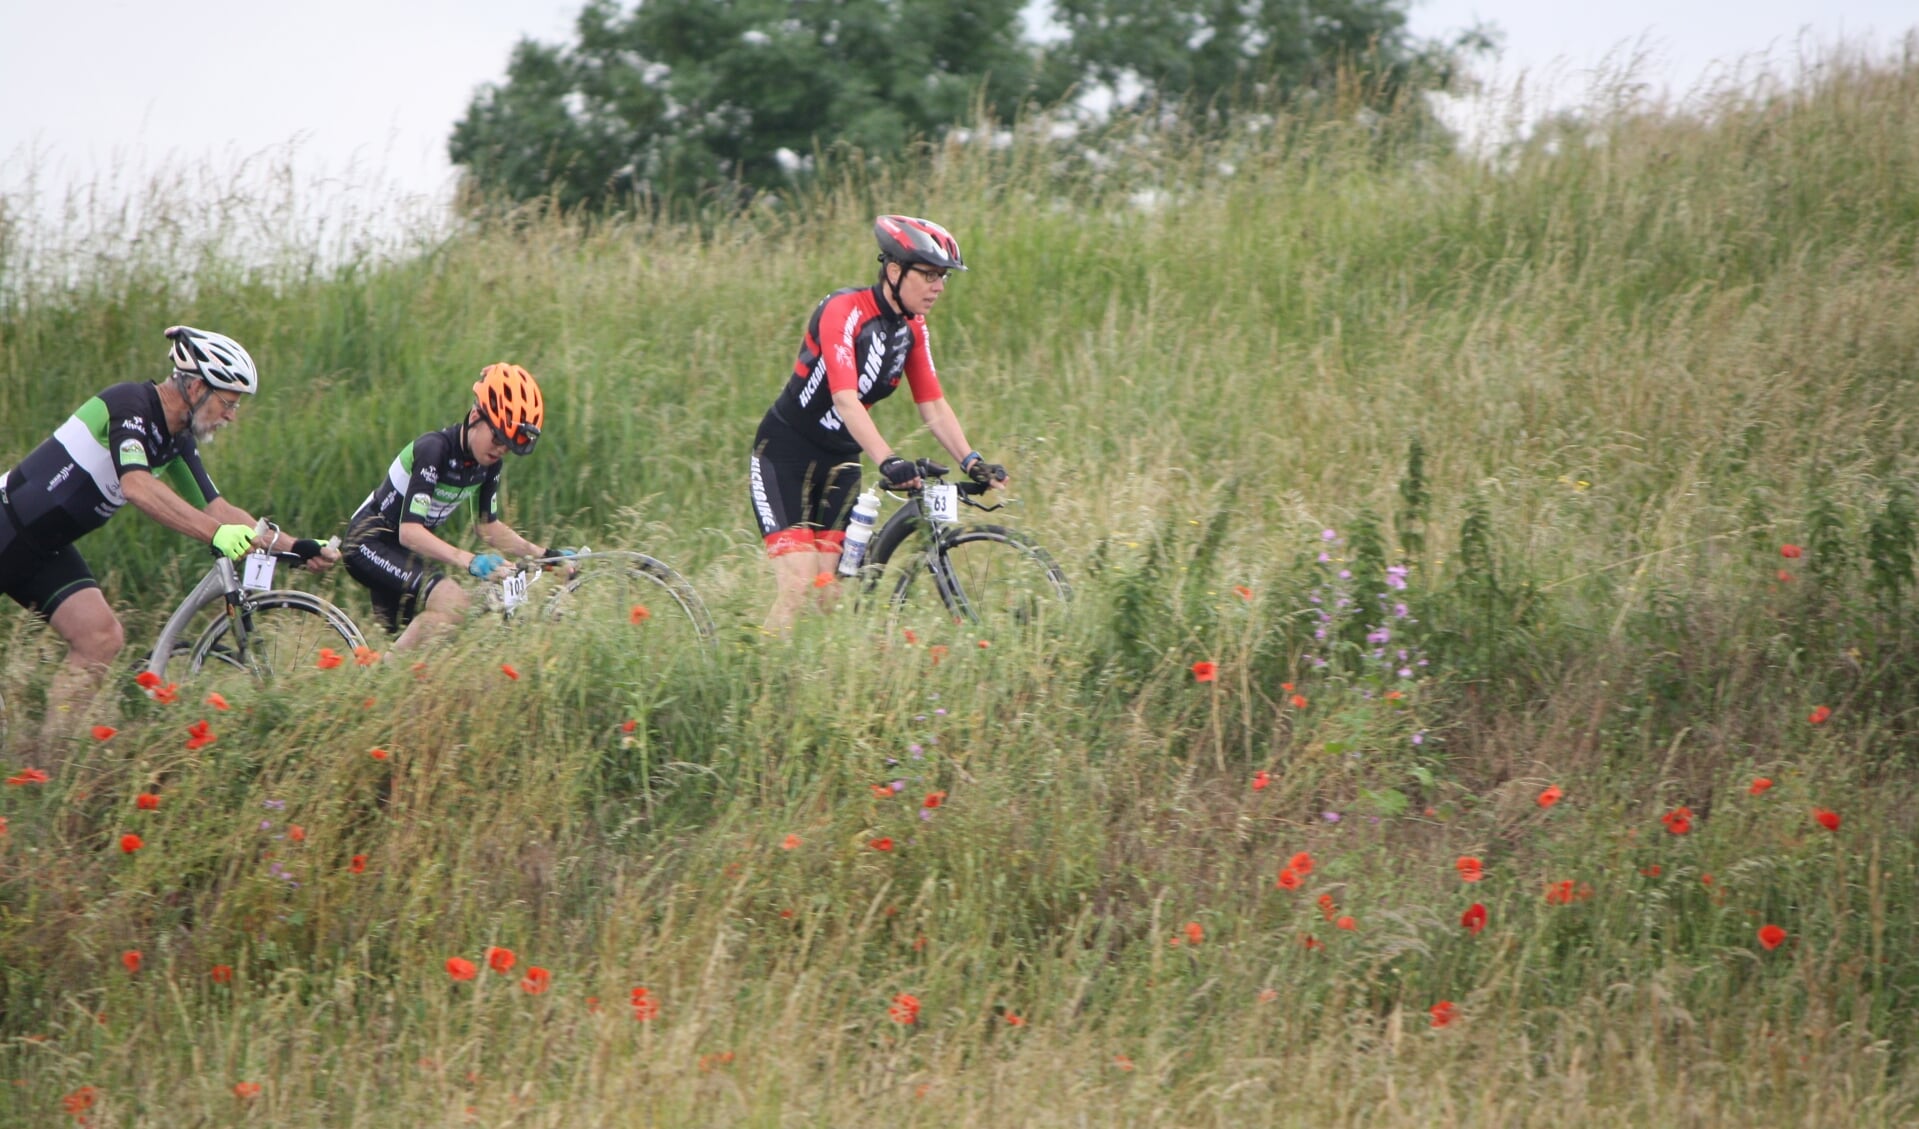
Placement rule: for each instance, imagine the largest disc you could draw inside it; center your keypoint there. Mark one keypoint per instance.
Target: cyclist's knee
(93, 633)
(447, 599)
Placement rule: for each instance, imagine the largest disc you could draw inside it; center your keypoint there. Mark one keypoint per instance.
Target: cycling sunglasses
(521, 442)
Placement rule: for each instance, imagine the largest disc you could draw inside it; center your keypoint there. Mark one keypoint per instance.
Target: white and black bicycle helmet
(214, 358)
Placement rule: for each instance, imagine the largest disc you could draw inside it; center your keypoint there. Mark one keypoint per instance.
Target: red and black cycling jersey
(427, 481)
(854, 341)
(69, 485)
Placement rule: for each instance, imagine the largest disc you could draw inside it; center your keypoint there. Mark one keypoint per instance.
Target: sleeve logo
(132, 453)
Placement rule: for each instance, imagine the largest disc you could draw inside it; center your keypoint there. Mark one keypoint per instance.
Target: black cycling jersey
(854, 341)
(69, 485)
(428, 480)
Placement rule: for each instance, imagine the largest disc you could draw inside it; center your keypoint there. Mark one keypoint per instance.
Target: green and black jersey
(430, 479)
(69, 485)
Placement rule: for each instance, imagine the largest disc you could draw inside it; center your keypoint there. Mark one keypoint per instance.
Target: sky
(358, 96)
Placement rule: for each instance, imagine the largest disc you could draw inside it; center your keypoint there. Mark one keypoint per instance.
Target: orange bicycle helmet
(509, 399)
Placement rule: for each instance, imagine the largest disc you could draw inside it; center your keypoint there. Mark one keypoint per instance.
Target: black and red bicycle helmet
(909, 240)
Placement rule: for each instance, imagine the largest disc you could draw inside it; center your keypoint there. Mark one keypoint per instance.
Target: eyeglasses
(930, 274)
(524, 436)
(227, 404)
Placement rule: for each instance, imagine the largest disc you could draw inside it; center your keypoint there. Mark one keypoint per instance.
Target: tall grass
(1636, 366)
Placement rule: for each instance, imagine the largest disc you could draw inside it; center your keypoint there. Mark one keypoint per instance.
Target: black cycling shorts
(397, 578)
(801, 492)
(37, 579)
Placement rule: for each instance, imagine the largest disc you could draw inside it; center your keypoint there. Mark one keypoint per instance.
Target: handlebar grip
(930, 469)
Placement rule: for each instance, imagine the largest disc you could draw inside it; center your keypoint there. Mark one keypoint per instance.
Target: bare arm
(945, 427)
(158, 501)
(859, 424)
(417, 538)
(502, 536)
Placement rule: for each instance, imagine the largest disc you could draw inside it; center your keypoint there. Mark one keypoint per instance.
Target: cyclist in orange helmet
(391, 546)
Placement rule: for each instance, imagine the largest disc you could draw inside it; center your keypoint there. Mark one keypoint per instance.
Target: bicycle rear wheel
(987, 575)
(638, 601)
(279, 632)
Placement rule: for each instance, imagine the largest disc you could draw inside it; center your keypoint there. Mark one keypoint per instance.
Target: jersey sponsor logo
(875, 358)
(420, 504)
(136, 422)
(59, 478)
(431, 473)
(761, 506)
(132, 453)
(812, 385)
(831, 420)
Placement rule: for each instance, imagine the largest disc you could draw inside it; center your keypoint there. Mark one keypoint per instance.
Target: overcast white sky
(366, 91)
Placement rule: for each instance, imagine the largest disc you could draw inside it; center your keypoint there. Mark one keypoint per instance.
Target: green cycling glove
(233, 541)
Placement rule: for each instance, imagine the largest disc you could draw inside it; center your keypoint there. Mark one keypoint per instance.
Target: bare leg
(445, 607)
(794, 573)
(826, 563)
(94, 638)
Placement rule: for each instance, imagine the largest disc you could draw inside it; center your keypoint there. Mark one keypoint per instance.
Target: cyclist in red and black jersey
(859, 344)
(134, 442)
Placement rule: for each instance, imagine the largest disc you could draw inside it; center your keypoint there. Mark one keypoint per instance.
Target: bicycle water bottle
(859, 531)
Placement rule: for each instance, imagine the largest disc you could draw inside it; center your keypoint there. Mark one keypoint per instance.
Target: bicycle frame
(222, 583)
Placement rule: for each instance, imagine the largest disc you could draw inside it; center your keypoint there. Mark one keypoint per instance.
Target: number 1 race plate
(259, 574)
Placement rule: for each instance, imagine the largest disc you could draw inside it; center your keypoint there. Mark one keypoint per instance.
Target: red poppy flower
(1311, 942)
(821, 580)
(1301, 862)
(131, 958)
(1826, 819)
(1790, 552)
(790, 842)
(1705, 880)
(880, 791)
(147, 680)
(1759, 786)
(221, 973)
(501, 960)
(246, 1091)
(1346, 923)
(28, 776)
(1474, 919)
(168, 694)
(1299, 701)
(786, 915)
(329, 658)
(1205, 671)
(199, 736)
(881, 844)
(984, 643)
(905, 1009)
(1326, 906)
(1442, 1013)
(1819, 715)
(1394, 695)
(1470, 868)
(1013, 1020)
(938, 651)
(1286, 686)
(357, 866)
(1652, 871)
(629, 725)
(1261, 779)
(1771, 937)
(461, 968)
(80, 1100)
(1123, 1063)
(1268, 995)
(1550, 796)
(365, 656)
(638, 614)
(537, 980)
(1242, 592)
(3, 825)
(1288, 879)
(217, 702)
(377, 754)
(1194, 932)
(147, 801)
(1784, 576)
(1560, 893)
(645, 1007)
(131, 843)
(1678, 820)
(933, 800)
(104, 732)
(507, 669)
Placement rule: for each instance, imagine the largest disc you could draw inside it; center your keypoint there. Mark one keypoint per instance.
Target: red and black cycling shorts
(802, 493)
(397, 578)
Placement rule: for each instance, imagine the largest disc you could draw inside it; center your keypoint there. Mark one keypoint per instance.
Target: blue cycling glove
(483, 564)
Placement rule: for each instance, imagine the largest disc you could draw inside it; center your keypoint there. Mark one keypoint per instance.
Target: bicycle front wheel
(636, 600)
(986, 575)
(272, 634)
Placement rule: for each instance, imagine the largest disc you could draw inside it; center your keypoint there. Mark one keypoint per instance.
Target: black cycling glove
(983, 472)
(897, 471)
(306, 548)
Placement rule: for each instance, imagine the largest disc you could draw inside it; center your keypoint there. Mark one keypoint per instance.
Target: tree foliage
(678, 98)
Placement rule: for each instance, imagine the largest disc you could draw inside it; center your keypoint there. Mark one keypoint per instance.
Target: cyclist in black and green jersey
(391, 546)
(138, 443)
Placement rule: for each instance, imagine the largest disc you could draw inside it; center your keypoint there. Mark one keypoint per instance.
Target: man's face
(486, 442)
(215, 412)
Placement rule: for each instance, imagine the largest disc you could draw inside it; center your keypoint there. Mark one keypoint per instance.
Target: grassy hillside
(1550, 424)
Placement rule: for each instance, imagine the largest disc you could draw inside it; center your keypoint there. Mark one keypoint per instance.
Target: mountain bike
(924, 559)
(633, 599)
(255, 631)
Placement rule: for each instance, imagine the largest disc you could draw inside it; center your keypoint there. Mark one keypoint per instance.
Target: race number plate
(259, 574)
(941, 503)
(513, 590)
